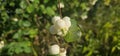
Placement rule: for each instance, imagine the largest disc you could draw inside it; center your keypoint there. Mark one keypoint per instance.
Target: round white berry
(93, 2)
(60, 24)
(66, 18)
(1, 44)
(61, 5)
(15, 19)
(67, 21)
(59, 33)
(84, 17)
(55, 18)
(79, 34)
(54, 49)
(63, 52)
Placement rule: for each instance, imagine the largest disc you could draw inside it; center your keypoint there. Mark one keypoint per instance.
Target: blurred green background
(24, 27)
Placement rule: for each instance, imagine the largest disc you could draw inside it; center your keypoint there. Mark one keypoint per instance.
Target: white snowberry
(1, 44)
(55, 18)
(61, 5)
(59, 33)
(84, 17)
(66, 18)
(60, 24)
(63, 52)
(79, 34)
(54, 49)
(67, 21)
(93, 2)
(15, 19)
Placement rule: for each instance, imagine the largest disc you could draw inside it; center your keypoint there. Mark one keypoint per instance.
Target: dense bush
(95, 29)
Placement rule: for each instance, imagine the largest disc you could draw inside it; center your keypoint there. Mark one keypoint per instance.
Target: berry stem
(57, 40)
(60, 11)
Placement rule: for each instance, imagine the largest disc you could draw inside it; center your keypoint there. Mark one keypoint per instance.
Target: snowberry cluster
(60, 26)
(55, 49)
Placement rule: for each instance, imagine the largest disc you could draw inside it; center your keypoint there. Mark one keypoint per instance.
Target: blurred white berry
(55, 18)
(60, 24)
(1, 44)
(67, 21)
(59, 33)
(53, 30)
(87, 9)
(61, 5)
(63, 52)
(93, 2)
(15, 19)
(66, 18)
(54, 49)
(79, 34)
(84, 17)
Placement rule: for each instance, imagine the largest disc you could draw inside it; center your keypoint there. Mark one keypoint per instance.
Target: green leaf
(46, 1)
(24, 23)
(23, 4)
(113, 49)
(50, 11)
(83, 5)
(72, 34)
(18, 50)
(17, 35)
(33, 32)
(42, 8)
(27, 50)
(47, 26)
(19, 11)
(12, 4)
(108, 25)
(107, 2)
(30, 8)
(85, 49)
(36, 1)
(25, 15)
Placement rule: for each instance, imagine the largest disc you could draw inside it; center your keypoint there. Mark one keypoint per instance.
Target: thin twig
(60, 11)
(28, 2)
(57, 40)
(34, 51)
